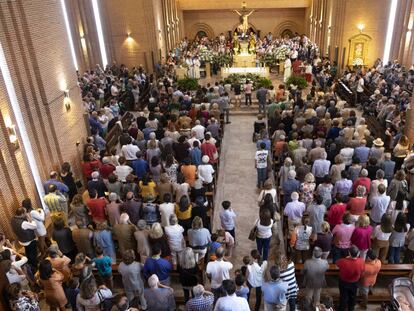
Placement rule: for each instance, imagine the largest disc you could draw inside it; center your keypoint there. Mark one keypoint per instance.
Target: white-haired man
(202, 301)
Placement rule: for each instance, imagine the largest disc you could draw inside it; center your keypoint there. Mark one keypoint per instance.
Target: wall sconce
(66, 99)
(12, 136)
(361, 27)
(129, 36)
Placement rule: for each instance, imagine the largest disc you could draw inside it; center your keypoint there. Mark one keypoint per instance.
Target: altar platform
(244, 60)
(261, 71)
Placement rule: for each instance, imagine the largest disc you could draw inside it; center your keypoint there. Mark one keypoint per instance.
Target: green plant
(189, 84)
(269, 60)
(263, 82)
(257, 81)
(300, 82)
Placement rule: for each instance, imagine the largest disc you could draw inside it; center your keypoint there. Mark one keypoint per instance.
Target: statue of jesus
(244, 18)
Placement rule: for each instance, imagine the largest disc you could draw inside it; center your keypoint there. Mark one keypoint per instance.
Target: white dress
(190, 67)
(288, 69)
(196, 68)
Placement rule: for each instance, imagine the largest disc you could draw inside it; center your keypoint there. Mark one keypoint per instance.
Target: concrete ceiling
(236, 4)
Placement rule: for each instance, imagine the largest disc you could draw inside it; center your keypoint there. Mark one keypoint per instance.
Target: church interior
(205, 155)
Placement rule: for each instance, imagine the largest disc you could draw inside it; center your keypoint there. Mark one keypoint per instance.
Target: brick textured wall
(264, 20)
(34, 40)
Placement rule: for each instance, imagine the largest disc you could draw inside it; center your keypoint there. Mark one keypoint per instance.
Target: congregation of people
(140, 216)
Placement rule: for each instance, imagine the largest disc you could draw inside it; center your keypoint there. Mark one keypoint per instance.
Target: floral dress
(25, 304)
(306, 192)
(325, 191)
(172, 172)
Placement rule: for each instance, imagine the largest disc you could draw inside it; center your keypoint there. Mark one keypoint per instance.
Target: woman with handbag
(264, 233)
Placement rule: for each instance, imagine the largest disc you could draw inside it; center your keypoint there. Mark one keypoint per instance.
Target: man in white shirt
(360, 89)
(379, 204)
(193, 139)
(231, 302)
(166, 210)
(205, 171)
(129, 151)
(218, 271)
(24, 227)
(122, 170)
(261, 159)
(114, 90)
(199, 130)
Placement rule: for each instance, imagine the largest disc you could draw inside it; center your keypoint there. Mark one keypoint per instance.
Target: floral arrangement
(281, 52)
(358, 62)
(269, 59)
(299, 82)
(223, 59)
(257, 80)
(206, 55)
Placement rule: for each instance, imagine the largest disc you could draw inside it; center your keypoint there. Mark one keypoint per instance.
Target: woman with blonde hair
(307, 189)
(189, 272)
(336, 169)
(324, 239)
(361, 237)
(164, 187)
(156, 236)
(102, 237)
(198, 238)
(285, 169)
(400, 151)
(268, 188)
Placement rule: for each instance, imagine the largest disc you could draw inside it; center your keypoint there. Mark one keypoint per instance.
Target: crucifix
(244, 18)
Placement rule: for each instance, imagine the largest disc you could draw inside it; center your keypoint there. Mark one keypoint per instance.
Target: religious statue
(236, 45)
(244, 18)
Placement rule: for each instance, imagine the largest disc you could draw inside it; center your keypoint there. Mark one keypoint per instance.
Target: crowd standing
(141, 208)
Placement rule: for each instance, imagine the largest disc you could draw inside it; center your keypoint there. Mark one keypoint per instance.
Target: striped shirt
(56, 202)
(288, 276)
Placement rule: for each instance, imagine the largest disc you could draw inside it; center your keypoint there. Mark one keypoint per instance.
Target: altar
(244, 60)
(261, 71)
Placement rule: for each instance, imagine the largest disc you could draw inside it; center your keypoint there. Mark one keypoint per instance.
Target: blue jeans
(394, 255)
(263, 247)
(292, 304)
(261, 176)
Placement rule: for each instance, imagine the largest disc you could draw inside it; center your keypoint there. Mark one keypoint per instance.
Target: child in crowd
(227, 239)
(104, 266)
(72, 292)
(246, 262)
(241, 289)
(214, 245)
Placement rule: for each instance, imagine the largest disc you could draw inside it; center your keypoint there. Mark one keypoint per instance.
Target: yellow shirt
(148, 189)
(183, 215)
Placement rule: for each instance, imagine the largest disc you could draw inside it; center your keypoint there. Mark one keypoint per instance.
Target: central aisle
(237, 182)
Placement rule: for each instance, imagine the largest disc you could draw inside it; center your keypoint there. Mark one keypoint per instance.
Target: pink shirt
(361, 237)
(342, 235)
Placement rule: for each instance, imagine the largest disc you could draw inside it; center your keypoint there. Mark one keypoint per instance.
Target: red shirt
(336, 211)
(350, 269)
(97, 209)
(106, 170)
(356, 206)
(89, 167)
(210, 150)
(362, 181)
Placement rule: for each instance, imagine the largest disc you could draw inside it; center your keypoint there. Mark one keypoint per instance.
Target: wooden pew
(395, 270)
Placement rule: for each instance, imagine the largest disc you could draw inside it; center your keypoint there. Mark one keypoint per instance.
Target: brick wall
(264, 20)
(34, 40)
